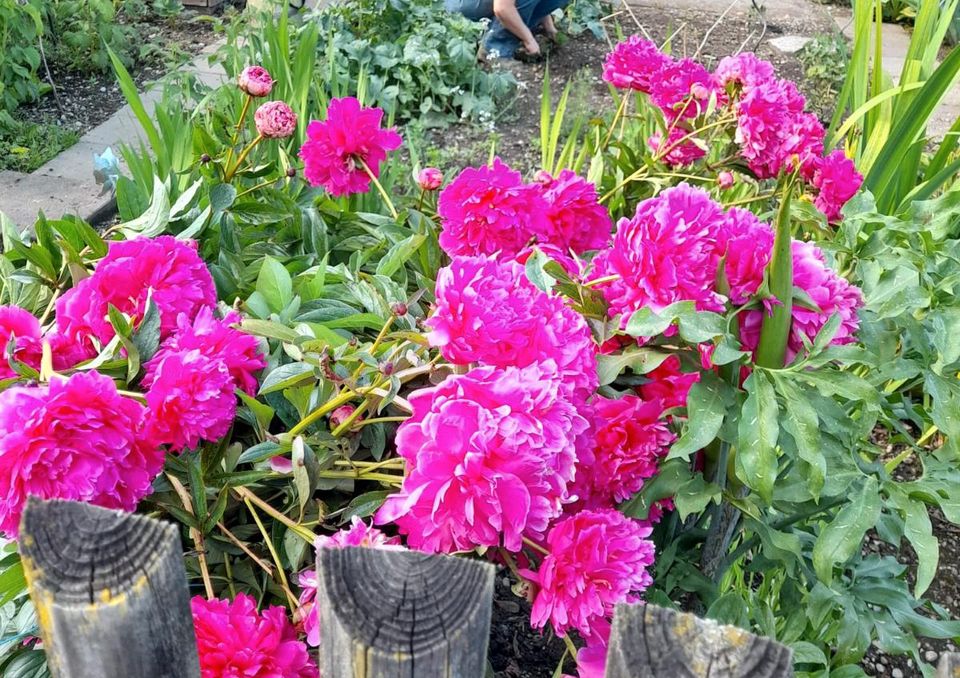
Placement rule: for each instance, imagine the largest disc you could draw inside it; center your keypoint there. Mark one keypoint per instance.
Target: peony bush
(655, 376)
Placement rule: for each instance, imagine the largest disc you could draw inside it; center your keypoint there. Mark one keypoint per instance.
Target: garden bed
(580, 61)
(83, 100)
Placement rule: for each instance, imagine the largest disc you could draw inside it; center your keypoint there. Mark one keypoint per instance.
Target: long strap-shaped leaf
(908, 130)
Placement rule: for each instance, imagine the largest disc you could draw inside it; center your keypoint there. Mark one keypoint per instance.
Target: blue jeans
(499, 42)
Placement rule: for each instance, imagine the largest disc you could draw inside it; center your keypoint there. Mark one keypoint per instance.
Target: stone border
(66, 184)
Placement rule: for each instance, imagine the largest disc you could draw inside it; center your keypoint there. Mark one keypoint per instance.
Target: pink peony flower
(275, 120)
(837, 180)
(19, 324)
(773, 130)
(833, 294)
(358, 534)
(488, 312)
(597, 559)
(190, 398)
(673, 151)
(75, 439)
(216, 340)
(668, 385)
(236, 641)
(430, 179)
(337, 148)
(592, 659)
(489, 456)
(666, 253)
(576, 220)
(682, 89)
(746, 245)
(168, 270)
(489, 209)
(631, 437)
(65, 353)
(634, 63)
(255, 81)
(744, 71)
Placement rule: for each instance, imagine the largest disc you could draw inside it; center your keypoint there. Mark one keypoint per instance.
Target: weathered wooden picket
(112, 600)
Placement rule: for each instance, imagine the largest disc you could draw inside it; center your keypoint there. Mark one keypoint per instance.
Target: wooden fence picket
(653, 642)
(110, 591)
(401, 613)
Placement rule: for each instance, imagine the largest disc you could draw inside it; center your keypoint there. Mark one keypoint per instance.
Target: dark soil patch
(88, 99)
(944, 591)
(516, 649)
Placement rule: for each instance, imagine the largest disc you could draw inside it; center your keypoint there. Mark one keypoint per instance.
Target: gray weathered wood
(402, 613)
(110, 591)
(652, 642)
(949, 666)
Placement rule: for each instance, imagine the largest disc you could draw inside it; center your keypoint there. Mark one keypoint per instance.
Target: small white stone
(897, 673)
(930, 655)
(790, 44)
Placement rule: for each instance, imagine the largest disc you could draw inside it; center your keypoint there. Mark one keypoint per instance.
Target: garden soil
(88, 99)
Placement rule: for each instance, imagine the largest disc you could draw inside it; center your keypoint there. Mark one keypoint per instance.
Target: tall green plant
(887, 125)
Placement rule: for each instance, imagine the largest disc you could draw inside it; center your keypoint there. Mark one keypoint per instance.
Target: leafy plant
(25, 146)
(886, 126)
(20, 28)
(81, 29)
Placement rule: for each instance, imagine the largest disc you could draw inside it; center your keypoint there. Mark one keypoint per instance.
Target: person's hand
(531, 47)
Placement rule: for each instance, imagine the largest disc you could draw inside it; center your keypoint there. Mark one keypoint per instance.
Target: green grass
(25, 146)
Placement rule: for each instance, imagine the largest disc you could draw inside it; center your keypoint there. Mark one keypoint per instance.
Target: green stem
(342, 399)
(376, 182)
(236, 130)
(243, 156)
(776, 327)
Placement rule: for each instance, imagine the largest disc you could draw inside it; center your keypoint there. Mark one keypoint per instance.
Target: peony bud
(725, 180)
(543, 178)
(430, 178)
(387, 368)
(340, 415)
(291, 172)
(398, 309)
(255, 81)
(275, 120)
(204, 159)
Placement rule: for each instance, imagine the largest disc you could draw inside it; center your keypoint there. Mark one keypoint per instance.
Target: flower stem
(243, 156)
(342, 398)
(281, 575)
(195, 534)
(255, 188)
(535, 546)
(301, 531)
(376, 182)
(236, 130)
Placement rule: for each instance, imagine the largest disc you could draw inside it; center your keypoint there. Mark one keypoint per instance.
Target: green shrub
(20, 26)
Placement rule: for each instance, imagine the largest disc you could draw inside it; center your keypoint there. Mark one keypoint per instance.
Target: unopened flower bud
(255, 81)
(275, 120)
(204, 159)
(341, 414)
(725, 179)
(399, 309)
(386, 368)
(430, 178)
(543, 178)
(291, 172)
